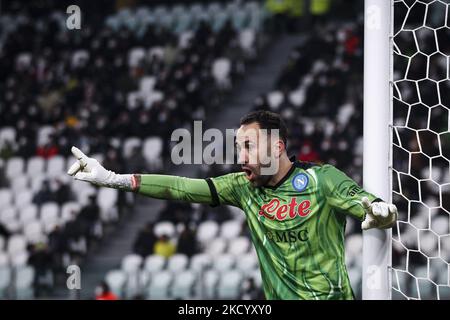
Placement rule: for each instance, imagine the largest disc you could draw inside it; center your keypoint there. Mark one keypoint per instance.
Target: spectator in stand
(89, 216)
(58, 245)
(250, 291)
(63, 193)
(45, 194)
(4, 182)
(136, 161)
(48, 150)
(187, 242)
(103, 292)
(41, 260)
(164, 247)
(145, 241)
(4, 232)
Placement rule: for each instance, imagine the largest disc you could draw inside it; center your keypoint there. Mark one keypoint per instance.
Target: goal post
(376, 260)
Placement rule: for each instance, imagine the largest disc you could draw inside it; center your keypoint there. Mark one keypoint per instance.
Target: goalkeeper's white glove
(379, 215)
(90, 170)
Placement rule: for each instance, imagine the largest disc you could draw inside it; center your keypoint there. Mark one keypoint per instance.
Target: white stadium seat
(129, 145)
(8, 214)
(67, 209)
(116, 280)
(4, 259)
(131, 263)
(216, 246)
(183, 284)
(177, 263)
(23, 198)
(5, 280)
(159, 286)
(200, 262)
(247, 263)
(164, 227)
(224, 262)
(24, 283)
(207, 231)
(154, 263)
(210, 280)
(49, 211)
(231, 229)
(152, 149)
(14, 167)
(33, 232)
(6, 197)
(56, 166)
(28, 213)
(19, 183)
(239, 245)
(19, 259)
(230, 285)
(107, 199)
(35, 165)
(221, 69)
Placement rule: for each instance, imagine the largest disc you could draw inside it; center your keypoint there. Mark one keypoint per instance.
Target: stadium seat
(210, 280)
(136, 55)
(177, 263)
(67, 209)
(224, 262)
(6, 197)
(107, 200)
(23, 285)
(221, 69)
(200, 261)
(129, 145)
(246, 263)
(230, 229)
(35, 165)
(131, 266)
(183, 285)
(19, 183)
(79, 58)
(5, 280)
(19, 259)
(23, 198)
(49, 212)
(146, 84)
(44, 134)
(152, 149)
(219, 19)
(7, 214)
(275, 99)
(116, 280)
(229, 286)
(207, 231)
(56, 166)
(247, 40)
(159, 286)
(131, 263)
(216, 246)
(239, 245)
(37, 180)
(16, 243)
(7, 134)
(4, 258)
(154, 263)
(164, 227)
(33, 232)
(14, 167)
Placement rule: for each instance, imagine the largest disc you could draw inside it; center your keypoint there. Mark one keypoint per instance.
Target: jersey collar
(286, 176)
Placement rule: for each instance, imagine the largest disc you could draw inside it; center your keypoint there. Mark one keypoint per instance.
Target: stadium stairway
(259, 79)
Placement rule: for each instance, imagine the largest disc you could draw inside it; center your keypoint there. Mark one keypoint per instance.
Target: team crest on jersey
(300, 182)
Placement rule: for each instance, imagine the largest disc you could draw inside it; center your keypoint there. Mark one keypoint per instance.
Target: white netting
(421, 149)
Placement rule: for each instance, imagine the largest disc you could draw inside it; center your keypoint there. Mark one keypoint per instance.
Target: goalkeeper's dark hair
(267, 120)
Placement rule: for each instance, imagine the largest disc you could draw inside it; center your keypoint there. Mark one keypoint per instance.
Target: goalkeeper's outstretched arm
(151, 185)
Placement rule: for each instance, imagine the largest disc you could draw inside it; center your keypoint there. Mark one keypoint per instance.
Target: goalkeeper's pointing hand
(379, 215)
(90, 170)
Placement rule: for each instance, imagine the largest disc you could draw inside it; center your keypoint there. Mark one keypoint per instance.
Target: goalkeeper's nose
(242, 157)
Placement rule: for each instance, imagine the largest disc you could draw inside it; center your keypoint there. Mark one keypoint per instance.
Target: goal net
(421, 149)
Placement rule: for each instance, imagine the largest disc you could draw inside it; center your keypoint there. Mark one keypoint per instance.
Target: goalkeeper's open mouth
(248, 173)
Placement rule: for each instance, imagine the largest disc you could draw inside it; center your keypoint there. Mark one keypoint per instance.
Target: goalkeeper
(296, 215)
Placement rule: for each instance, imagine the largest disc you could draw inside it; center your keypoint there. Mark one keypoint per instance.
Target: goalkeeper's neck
(285, 166)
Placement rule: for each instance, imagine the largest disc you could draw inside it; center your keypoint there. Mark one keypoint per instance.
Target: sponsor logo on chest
(275, 210)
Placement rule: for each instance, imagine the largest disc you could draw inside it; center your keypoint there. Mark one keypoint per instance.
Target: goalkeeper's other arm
(151, 185)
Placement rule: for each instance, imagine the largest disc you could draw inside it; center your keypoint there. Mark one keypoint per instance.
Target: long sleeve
(175, 188)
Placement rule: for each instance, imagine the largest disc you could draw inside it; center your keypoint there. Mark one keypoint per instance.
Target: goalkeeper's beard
(255, 177)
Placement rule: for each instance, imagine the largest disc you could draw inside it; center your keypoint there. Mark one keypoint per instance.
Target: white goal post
(377, 118)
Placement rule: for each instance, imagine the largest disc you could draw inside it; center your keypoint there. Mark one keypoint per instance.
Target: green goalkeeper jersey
(297, 226)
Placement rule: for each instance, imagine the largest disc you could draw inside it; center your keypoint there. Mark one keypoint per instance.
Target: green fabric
(320, 7)
(298, 234)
